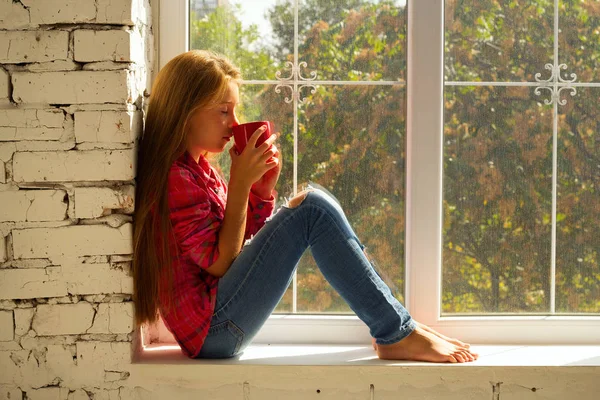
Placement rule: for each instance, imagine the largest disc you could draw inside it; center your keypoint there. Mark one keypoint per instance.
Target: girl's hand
(249, 166)
(265, 185)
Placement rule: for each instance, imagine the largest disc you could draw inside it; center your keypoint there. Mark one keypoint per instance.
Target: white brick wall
(33, 46)
(33, 124)
(111, 45)
(23, 318)
(60, 281)
(73, 76)
(33, 205)
(92, 165)
(69, 241)
(13, 15)
(4, 86)
(63, 319)
(95, 202)
(60, 11)
(2, 249)
(73, 87)
(107, 126)
(7, 327)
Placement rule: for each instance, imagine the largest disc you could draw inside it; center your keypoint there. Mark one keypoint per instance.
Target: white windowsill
(361, 355)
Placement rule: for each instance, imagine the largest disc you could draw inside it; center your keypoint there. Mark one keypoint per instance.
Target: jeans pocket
(223, 340)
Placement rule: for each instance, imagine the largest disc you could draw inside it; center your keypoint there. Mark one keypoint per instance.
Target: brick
(2, 249)
(80, 240)
(113, 318)
(33, 205)
(97, 357)
(9, 134)
(29, 283)
(23, 318)
(31, 118)
(63, 319)
(50, 393)
(10, 393)
(2, 172)
(7, 326)
(4, 86)
(31, 124)
(33, 46)
(13, 15)
(96, 202)
(72, 87)
(6, 151)
(23, 368)
(79, 394)
(60, 11)
(91, 165)
(111, 45)
(126, 12)
(107, 394)
(84, 279)
(107, 126)
(58, 281)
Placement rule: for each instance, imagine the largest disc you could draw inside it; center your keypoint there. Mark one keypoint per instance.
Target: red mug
(242, 132)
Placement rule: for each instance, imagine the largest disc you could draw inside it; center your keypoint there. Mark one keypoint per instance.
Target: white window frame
(424, 191)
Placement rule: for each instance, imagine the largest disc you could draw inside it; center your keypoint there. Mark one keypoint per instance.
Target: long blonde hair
(190, 81)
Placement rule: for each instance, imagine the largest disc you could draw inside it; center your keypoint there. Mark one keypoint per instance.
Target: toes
(467, 356)
(452, 359)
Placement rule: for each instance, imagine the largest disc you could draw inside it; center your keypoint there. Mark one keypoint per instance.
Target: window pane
(578, 208)
(351, 141)
(497, 190)
(579, 39)
(242, 31)
(353, 40)
(505, 40)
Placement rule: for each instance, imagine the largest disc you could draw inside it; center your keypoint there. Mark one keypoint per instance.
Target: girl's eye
(224, 112)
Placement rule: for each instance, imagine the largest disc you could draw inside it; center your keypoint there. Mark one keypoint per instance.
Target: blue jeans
(257, 279)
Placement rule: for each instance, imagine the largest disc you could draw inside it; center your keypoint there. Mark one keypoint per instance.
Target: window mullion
(424, 158)
(173, 26)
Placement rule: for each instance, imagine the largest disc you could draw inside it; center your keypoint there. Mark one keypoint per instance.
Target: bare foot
(446, 338)
(422, 345)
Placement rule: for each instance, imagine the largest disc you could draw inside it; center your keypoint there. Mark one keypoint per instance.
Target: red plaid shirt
(197, 196)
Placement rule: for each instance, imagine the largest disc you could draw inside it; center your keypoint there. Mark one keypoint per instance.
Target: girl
(193, 261)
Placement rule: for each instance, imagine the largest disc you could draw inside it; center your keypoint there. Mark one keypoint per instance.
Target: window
(441, 129)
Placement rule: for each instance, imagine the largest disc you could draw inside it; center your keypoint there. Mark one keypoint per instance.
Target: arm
(260, 207)
(231, 234)
(207, 241)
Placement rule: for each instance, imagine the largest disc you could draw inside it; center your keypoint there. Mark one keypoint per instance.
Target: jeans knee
(299, 198)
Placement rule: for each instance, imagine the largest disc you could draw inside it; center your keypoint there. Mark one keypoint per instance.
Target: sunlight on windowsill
(364, 355)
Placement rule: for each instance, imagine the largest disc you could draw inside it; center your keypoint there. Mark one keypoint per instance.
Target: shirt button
(256, 216)
(260, 206)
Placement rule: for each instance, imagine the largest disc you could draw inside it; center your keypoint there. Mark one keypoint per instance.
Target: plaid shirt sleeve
(258, 211)
(195, 227)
